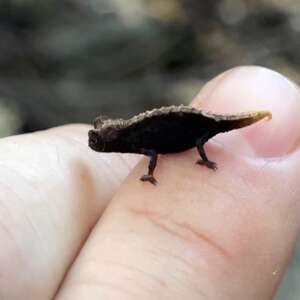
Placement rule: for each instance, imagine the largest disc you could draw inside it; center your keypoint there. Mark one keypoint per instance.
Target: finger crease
(164, 221)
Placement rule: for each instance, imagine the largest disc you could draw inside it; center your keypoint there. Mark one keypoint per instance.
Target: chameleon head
(103, 140)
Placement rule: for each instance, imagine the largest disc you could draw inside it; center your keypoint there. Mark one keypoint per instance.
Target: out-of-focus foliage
(68, 60)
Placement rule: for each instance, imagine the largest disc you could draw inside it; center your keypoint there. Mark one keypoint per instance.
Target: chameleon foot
(149, 178)
(209, 164)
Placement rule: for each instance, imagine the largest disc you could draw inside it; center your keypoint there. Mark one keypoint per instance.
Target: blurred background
(65, 61)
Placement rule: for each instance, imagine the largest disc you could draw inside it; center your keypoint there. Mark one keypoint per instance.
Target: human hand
(70, 230)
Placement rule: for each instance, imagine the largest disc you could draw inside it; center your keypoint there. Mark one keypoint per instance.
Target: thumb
(201, 234)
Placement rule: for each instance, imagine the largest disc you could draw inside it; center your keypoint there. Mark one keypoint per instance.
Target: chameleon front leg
(204, 160)
(151, 167)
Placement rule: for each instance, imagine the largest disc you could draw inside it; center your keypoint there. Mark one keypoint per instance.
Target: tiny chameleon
(166, 130)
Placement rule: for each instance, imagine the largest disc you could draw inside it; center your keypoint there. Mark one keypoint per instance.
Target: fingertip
(253, 88)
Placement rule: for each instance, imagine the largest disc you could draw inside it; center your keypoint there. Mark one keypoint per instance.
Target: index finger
(53, 189)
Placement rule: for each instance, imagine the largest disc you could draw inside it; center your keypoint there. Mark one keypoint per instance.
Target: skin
(70, 230)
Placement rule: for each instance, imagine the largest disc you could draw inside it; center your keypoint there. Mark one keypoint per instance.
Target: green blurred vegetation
(66, 61)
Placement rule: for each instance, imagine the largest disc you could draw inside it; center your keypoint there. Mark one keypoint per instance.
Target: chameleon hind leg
(204, 160)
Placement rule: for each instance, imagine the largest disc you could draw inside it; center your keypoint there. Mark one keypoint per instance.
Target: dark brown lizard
(166, 130)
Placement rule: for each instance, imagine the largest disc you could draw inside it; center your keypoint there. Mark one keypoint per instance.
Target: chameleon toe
(149, 178)
(209, 164)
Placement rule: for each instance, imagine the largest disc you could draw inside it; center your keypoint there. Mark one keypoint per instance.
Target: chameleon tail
(231, 122)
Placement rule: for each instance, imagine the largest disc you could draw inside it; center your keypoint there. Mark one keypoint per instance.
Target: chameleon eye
(99, 121)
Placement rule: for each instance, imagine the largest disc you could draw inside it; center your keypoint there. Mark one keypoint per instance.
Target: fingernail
(250, 89)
